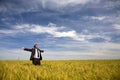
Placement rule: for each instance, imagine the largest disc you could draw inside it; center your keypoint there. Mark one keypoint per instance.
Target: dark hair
(35, 45)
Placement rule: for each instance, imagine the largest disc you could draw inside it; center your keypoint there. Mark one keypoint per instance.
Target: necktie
(38, 52)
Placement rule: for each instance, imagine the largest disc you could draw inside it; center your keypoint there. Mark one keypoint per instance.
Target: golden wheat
(61, 70)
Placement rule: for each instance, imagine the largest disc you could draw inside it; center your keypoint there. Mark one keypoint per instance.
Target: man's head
(36, 46)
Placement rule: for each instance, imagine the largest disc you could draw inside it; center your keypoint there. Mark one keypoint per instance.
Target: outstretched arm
(41, 50)
(27, 49)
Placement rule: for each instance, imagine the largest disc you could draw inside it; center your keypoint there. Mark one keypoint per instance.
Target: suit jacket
(33, 53)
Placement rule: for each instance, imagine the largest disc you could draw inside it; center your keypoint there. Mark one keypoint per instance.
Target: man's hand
(41, 50)
(22, 48)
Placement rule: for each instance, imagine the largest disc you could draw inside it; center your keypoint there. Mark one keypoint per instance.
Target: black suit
(34, 60)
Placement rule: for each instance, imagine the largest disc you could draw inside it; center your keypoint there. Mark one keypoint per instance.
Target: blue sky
(65, 29)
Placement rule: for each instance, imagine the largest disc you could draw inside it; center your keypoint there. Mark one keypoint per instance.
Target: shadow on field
(27, 64)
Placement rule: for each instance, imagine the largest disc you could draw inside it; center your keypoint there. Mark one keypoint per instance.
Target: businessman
(36, 56)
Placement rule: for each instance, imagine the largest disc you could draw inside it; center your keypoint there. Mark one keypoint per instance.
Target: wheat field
(60, 70)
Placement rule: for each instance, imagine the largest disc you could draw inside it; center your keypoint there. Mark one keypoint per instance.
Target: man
(35, 54)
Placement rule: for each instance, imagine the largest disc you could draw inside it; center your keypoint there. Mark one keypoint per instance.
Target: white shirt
(36, 54)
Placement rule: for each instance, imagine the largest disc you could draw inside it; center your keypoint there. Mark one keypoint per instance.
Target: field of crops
(61, 70)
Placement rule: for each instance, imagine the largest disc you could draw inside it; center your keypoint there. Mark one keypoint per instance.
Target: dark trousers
(36, 61)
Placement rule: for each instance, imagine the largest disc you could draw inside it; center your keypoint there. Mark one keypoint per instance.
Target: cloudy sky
(65, 29)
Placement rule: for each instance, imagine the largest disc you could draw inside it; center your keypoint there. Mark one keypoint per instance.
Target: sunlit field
(61, 70)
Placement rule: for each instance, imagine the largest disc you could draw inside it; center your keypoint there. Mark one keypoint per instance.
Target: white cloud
(38, 5)
(52, 29)
(100, 18)
(7, 31)
(56, 31)
(22, 26)
(62, 3)
(17, 29)
(116, 26)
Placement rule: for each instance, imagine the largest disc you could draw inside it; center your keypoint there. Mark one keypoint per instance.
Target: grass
(61, 70)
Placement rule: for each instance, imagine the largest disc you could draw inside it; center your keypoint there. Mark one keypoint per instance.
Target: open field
(61, 70)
